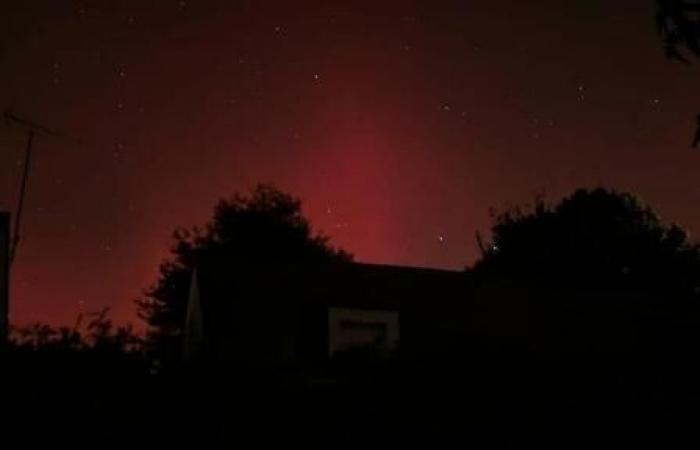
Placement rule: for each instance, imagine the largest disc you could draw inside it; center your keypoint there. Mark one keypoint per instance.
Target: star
(118, 149)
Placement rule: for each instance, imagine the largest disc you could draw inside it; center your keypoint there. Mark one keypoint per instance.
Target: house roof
(347, 284)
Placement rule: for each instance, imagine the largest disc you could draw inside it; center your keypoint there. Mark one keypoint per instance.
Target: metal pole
(22, 193)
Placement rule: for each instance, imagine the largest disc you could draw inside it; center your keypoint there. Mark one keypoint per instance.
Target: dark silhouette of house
(286, 315)
(522, 360)
(280, 315)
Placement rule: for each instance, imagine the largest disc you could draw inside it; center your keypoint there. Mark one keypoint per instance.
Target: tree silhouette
(592, 237)
(93, 332)
(600, 299)
(678, 25)
(258, 232)
(679, 28)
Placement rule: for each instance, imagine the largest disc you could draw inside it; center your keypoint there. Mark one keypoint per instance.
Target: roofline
(408, 268)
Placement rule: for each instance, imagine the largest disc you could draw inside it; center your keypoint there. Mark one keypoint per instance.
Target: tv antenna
(32, 129)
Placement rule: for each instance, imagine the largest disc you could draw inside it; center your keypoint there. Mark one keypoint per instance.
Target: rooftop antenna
(8, 246)
(32, 129)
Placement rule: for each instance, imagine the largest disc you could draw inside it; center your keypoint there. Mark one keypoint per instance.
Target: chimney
(4, 276)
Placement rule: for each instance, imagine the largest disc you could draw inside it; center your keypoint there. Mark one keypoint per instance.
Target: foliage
(259, 230)
(593, 237)
(91, 332)
(678, 26)
(84, 386)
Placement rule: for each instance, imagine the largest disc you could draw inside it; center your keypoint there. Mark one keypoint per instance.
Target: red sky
(397, 122)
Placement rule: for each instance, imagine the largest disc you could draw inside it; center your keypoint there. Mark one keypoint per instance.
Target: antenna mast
(32, 129)
(22, 194)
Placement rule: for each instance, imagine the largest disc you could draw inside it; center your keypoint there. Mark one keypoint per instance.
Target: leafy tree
(84, 386)
(678, 25)
(592, 237)
(679, 28)
(256, 232)
(92, 332)
(601, 302)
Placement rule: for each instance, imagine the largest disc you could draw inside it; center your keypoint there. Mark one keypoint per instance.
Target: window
(354, 328)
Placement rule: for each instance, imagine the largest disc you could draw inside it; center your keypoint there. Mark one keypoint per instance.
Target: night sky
(400, 124)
